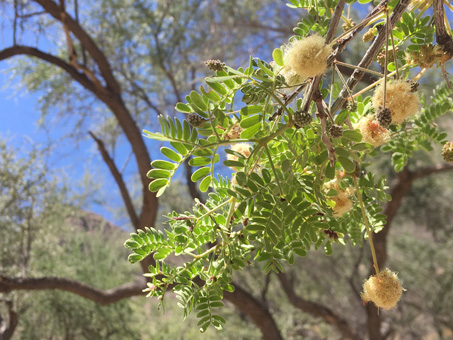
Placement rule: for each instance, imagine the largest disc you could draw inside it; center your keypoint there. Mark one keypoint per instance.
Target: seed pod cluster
(302, 118)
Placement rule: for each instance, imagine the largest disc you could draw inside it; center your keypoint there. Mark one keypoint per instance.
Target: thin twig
(395, 54)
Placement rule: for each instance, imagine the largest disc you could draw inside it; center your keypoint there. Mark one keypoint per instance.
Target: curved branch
(7, 330)
(103, 297)
(34, 52)
(316, 309)
(119, 181)
(87, 42)
(435, 169)
(260, 315)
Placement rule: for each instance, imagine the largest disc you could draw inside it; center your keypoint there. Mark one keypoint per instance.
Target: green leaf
(183, 108)
(211, 95)
(233, 164)
(200, 173)
(347, 164)
(204, 185)
(353, 135)
(157, 184)
(198, 100)
(158, 173)
(277, 54)
(163, 165)
(252, 109)
(199, 161)
(134, 258)
(251, 131)
(221, 79)
(217, 87)
(172, 155)
(161, 254)
(250, 121)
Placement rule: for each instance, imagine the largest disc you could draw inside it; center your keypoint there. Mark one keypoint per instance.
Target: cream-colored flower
(308, 57)
(383, 289)
(371, 131)
(399, 99)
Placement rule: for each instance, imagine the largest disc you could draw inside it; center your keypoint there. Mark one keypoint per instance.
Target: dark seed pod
(196, 120)
(335, 131)
(302, 118)
(384, 117)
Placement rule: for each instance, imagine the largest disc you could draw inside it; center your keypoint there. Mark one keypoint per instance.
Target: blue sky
(19, 116)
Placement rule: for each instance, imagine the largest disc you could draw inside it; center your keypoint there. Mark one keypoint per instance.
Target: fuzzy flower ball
(308, 56)
(383, 289)
(371, 131)
(342, 200)
(401, 101)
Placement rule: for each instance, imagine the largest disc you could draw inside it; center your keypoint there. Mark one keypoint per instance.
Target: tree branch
(316, 309)
(119, 181)
(336, 16)
(369, 56)
(7, 330)
(87, 42)
(103, 297)
(438, 168)
(116, 105)
(34, 52)
(259, 314)
(443, 38)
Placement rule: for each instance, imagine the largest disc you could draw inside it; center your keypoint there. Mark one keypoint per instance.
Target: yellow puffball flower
(383, 289)
(308, 56)
(371, 131)
(399, 99)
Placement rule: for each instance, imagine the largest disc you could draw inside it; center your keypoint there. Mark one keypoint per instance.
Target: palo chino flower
(383, 289)
(399, 99)
(308, 57)
(371, 131)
